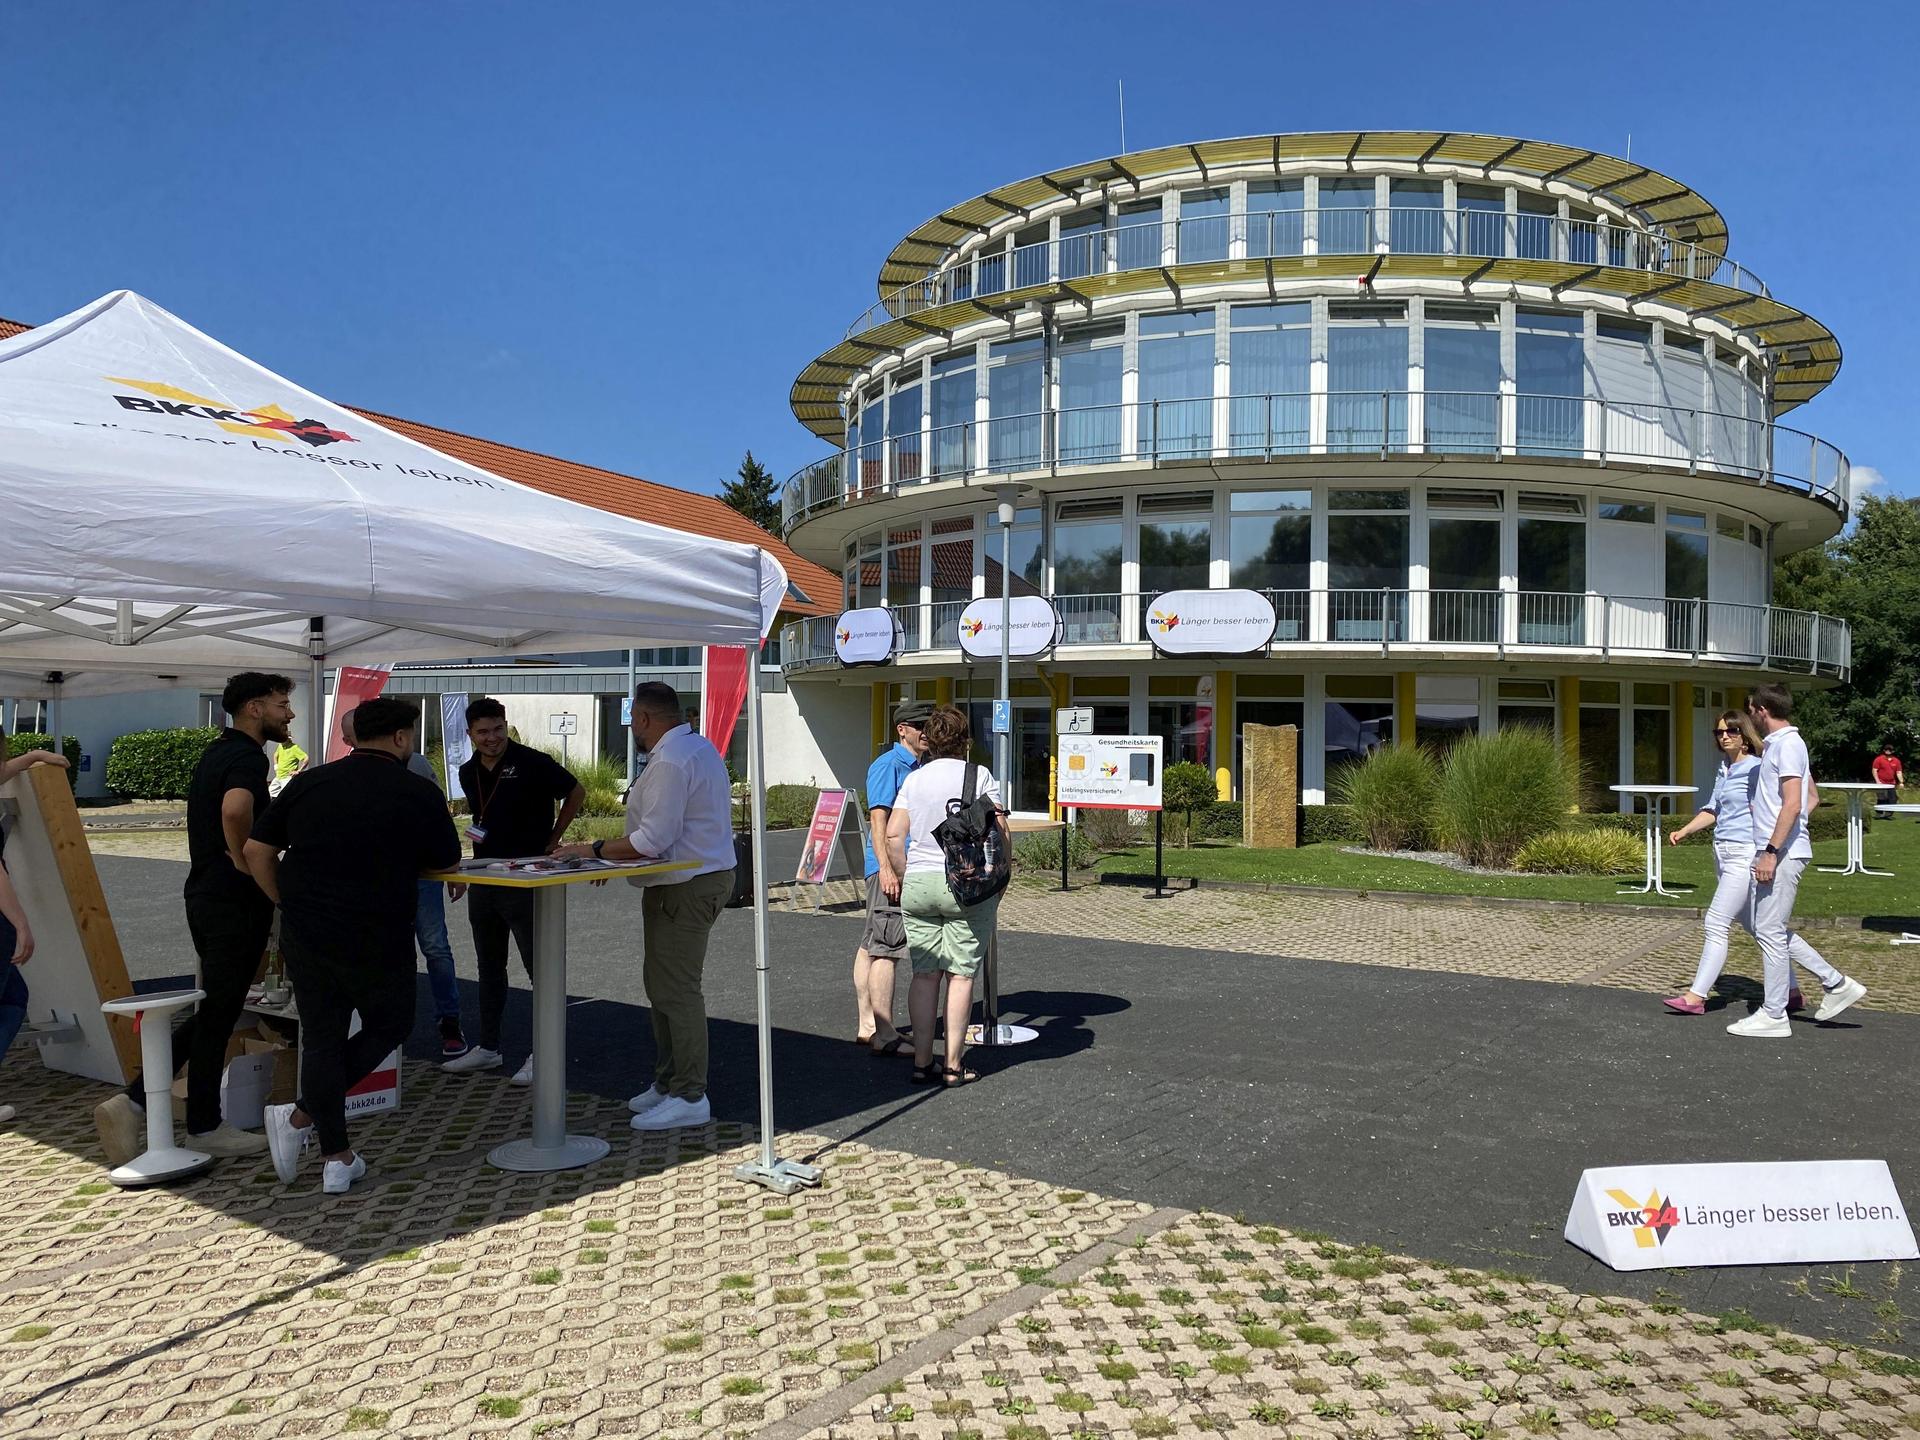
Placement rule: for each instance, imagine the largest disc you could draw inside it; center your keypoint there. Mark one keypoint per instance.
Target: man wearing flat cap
(885, 938)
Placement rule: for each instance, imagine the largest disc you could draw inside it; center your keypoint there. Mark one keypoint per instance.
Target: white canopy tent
(169, 508)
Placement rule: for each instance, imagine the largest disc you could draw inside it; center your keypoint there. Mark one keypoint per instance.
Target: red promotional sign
(828, 811)
(353, 686)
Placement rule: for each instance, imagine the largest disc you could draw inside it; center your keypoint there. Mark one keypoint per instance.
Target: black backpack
(978, 865)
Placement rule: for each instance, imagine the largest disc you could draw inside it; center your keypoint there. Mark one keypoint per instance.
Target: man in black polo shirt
(227, 915)
(356, 835)
(512, 790)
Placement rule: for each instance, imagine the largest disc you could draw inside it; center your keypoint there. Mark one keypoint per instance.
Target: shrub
(1328, 825)
(604, 780)
(1391, 795)
(1499, 791)
(1581, 852)
(38, 740)
(1039, 854)
(1187, 787)
(156, 764)
(1223, 820)
(1829, 820)
(790, 807)
(1107, 829)
(1612, 820)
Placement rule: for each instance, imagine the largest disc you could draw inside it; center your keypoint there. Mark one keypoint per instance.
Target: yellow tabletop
(536, 880)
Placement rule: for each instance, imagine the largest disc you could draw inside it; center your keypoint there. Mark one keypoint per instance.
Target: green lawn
(1891, 845)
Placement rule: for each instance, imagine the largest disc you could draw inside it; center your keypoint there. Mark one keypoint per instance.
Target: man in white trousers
(1780, 832)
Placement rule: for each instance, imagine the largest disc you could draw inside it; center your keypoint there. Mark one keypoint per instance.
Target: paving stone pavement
(1890, 972)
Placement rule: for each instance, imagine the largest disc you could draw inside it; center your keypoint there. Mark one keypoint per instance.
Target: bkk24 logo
(265, 422)
(1651, 1223)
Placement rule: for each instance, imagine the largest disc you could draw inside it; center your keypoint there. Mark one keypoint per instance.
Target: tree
(1187, 787)
(1870, 578)
(753, 495)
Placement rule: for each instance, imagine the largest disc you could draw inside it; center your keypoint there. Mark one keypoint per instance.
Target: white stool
(163, 1160)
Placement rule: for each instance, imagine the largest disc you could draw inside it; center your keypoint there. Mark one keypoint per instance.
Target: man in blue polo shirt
(885, 938)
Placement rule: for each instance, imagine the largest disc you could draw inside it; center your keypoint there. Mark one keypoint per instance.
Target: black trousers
(229, 936)
(496, 912)
(329, 987)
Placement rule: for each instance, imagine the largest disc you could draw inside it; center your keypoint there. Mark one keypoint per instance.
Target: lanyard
(487, 792)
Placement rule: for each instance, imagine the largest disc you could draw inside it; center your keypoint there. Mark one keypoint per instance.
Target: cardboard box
(283, 1086)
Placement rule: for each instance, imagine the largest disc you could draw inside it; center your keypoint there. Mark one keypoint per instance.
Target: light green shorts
(941, 934)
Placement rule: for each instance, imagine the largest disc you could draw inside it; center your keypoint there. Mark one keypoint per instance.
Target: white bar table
(1654, 795)
(1906, 937)
(550, 1147)
(164, 1158)
(1856, 792)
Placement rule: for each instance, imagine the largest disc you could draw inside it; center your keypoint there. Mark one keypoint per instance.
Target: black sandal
(925, 1074)
(953, 1078)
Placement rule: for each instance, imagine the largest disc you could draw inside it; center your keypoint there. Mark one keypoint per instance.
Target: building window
(1462, 365)
(1599, 744)
(1088, 541)
(1270, 548)
(1549, 374)
(1652, 735)
(1031, 258)
(903, 582)
(952, 576)
(1137, 241)
(1029, 559)
(1203, 224)
(951, 416)
(1083, 244)
(1446, 709)
(1418, 218)
(1271, 372)
(1264, 700)
(1463, 566)
(1090, 360)
(1276, 218)
(903, 431)
(1176, 543)
(1346, 216)
(1016, 396)
(1173, 713)
(1367, 565)
(1526, 702)
(1686, 537)
(1359, 720)
(1534, 227)
(1481, 221)
(873, 443)
(1176, 384)
(1366, 376)
(1552, 569)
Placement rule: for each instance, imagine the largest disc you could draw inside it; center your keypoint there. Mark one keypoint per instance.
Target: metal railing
(1328, 230)
(1341, 422)
(1388, 620)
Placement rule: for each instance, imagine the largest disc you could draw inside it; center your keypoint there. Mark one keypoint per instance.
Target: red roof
(619, 494)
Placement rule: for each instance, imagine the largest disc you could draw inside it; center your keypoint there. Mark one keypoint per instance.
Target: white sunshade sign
(1210, 622)
(1035, 628)
(865, 637)
(1109, 772)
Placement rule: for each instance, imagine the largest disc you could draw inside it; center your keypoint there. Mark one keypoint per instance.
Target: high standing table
(551, 1147)
(1656, 869)
(1856, 792)
(1905, 937)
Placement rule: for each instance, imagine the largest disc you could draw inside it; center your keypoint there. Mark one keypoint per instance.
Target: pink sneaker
(1681, 1005)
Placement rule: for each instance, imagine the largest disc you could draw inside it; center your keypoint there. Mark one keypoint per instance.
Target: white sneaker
(673, 1113)
(225, 1139)
(1764, 1026)
(340, 1174)
(524, 1075)
(475, 1059)
(7, 1112)
(1850, 991)
(646, 1099)
(286, 1143)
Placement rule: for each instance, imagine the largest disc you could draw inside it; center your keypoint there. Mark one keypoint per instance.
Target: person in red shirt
(1887, 771)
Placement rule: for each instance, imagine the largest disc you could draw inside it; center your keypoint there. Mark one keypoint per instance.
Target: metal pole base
(990, 1035)
(1853, 870)
(783, 1177)
(1907, 937)
(155, 1166)
(530, 1158)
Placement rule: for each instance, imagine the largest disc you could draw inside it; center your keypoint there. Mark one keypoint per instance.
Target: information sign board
(868, 636)
(1035, 629)
(1075, 721)
(1109, 772)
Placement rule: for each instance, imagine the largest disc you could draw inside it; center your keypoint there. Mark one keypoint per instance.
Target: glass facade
(1089, 366)
(1548, 364)
(1462, 363)
(1270, 362)
(1366, 376)
(1176, 385)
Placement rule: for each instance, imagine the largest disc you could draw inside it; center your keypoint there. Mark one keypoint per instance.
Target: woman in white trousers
(1728, 812)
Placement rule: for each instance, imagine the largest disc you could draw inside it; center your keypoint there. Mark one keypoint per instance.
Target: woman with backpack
(948, 839)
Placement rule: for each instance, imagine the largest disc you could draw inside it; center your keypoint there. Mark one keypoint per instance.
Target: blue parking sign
(626, 711)
(1002, 717)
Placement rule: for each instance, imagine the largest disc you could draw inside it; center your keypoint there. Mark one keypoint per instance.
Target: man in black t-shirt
(228, 917)
(356, 836)
(511, 790)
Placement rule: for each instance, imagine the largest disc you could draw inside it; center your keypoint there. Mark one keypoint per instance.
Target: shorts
(943, 934)
(885, 937)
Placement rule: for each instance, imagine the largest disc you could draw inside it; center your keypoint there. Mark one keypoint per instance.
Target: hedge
(156, 764)
(1220, 821)
(1329, 824)
(38, 740)
(790, 807)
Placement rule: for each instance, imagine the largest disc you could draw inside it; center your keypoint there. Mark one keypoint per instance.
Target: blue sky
(615, 232)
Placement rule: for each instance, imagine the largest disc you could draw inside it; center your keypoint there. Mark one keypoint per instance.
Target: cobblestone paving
(651, 1294)
(1890, 972)
(1214, 1326)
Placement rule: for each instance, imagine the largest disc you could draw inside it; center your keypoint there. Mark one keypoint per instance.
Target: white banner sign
(1109, 772)
(1036, 627)
(1656, 1217)
(1210, 622)
(865, 637)
(455, 748)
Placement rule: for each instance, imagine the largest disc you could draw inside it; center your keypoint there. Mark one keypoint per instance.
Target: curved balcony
(1259, 235)
(1276, 427)
(1498, 624)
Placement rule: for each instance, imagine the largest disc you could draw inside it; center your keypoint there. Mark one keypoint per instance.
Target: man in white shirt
(679, 809)
(1780, 835)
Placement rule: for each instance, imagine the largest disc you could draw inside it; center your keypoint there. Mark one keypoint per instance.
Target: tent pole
(633, 679)
(53, 711)
(317, 689)
(783, 1177)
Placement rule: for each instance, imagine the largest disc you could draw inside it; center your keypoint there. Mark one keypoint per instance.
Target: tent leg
(317, 689)
(783, 1177)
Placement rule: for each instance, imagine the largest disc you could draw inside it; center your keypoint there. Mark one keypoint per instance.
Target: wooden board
(77, 961)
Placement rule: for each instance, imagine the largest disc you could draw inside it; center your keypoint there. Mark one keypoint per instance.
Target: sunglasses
(1724, 730)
